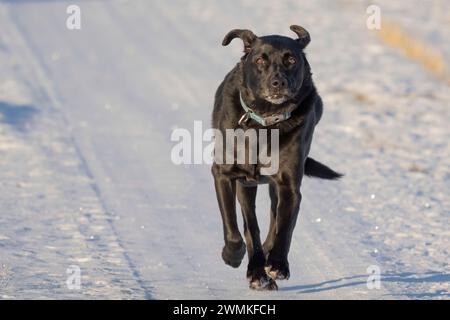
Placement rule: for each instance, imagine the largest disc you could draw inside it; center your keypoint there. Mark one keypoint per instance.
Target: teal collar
(264, 121)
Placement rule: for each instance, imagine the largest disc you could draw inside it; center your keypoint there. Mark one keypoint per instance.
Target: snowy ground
(86, 177)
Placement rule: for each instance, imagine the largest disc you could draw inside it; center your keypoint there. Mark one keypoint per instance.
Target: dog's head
(273, 66)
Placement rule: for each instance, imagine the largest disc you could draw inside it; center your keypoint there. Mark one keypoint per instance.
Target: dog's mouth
(276, 98)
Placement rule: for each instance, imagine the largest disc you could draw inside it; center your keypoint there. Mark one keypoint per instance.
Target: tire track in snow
(177, 247)
(46, 93)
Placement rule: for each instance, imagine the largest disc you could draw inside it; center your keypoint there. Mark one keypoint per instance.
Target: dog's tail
(316, 169)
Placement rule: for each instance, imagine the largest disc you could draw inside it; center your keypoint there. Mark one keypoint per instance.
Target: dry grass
(430, 58)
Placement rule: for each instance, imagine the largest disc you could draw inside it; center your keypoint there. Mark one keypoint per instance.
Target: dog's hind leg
(256, 274)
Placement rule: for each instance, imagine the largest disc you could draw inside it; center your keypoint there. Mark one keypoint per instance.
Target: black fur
(273, 76)
(316, 169)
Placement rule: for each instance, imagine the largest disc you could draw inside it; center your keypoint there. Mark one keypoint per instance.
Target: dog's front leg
(289, 197)
(268, 243)
(234, 250)
(256, 274)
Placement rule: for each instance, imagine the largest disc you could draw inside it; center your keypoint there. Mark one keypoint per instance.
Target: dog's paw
(277, 270)
(258, 280)
(261, 284)
(233, 256)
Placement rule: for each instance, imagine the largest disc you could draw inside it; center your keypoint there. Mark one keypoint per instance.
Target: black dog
(270, 88)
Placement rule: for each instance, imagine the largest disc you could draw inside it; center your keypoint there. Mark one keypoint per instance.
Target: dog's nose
(278, 83)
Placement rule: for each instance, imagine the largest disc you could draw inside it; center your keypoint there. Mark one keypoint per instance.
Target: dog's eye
(292, 60)
(260, 61)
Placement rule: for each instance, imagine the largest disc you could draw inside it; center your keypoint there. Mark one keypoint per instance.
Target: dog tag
(244, 118)
(273, 120)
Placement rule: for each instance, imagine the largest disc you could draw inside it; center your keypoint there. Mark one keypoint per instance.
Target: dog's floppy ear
(246, 36)
(303, 36)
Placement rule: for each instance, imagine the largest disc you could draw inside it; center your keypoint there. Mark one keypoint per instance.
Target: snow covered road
(87, 180)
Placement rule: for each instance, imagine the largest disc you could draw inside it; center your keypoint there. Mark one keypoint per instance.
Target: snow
(86, 179)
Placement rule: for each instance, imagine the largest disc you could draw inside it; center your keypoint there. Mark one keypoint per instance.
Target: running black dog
(270, 88)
